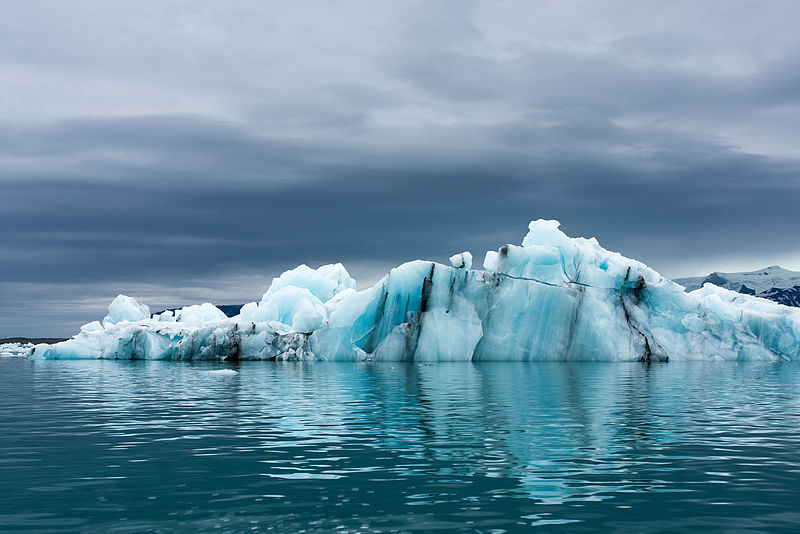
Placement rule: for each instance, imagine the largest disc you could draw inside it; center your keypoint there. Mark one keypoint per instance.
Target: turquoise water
(113, 446)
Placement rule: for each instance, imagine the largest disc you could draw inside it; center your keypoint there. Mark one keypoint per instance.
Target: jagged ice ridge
(552, 298)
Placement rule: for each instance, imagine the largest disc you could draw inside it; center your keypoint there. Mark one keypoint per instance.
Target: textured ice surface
(552, 298)
(125, 309)
(462, 260)
(10, 350)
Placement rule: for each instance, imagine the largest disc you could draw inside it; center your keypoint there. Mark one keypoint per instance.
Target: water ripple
(497, 447)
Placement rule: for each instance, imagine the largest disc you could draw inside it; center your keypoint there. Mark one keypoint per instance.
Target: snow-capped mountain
(773, 283)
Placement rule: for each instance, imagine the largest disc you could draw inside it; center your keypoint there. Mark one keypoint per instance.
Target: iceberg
(12, 350)
(551, 298)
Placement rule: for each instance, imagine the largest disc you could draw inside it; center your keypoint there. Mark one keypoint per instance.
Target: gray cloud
(191, 151)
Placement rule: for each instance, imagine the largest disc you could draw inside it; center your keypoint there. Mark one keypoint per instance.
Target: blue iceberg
(551, 298)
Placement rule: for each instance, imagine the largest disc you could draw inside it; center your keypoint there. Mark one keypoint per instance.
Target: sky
(189, 151)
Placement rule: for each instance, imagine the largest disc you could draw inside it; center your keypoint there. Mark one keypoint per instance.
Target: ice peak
(544, 231)
(323, 282)
(125, 308)
(462, 260)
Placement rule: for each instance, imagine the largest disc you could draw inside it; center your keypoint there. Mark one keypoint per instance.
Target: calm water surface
(498, 447)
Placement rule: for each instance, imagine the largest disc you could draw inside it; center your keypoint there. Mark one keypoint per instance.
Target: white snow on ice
(15, 350)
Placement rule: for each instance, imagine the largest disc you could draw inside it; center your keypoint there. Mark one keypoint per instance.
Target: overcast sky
(187, 151)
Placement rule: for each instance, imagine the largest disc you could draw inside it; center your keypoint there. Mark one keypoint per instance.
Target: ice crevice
(570, 282)
(551, 298)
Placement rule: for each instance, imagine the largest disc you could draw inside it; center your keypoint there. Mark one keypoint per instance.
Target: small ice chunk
(462, 260)
(248, 312)
(545, 232)
(167, 316)
(295, 307)
(199, 314)
(323, 283)
(491, 261)
(94, 326)
(125, 308)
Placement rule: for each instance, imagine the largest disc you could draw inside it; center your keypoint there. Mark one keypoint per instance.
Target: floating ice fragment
(15, 350)
(462, 260)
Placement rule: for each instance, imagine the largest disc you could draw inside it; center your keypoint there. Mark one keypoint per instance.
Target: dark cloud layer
(191, 151)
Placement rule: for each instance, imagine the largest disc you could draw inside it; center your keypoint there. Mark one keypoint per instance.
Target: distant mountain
(228, 309)
(773, 283)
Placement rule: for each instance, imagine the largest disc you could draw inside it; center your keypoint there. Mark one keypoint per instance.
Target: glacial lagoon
(158, 446)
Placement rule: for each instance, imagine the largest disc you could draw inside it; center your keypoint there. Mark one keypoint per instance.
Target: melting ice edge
(552, 298)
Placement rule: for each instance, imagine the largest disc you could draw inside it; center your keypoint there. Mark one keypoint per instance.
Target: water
(112, 446)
